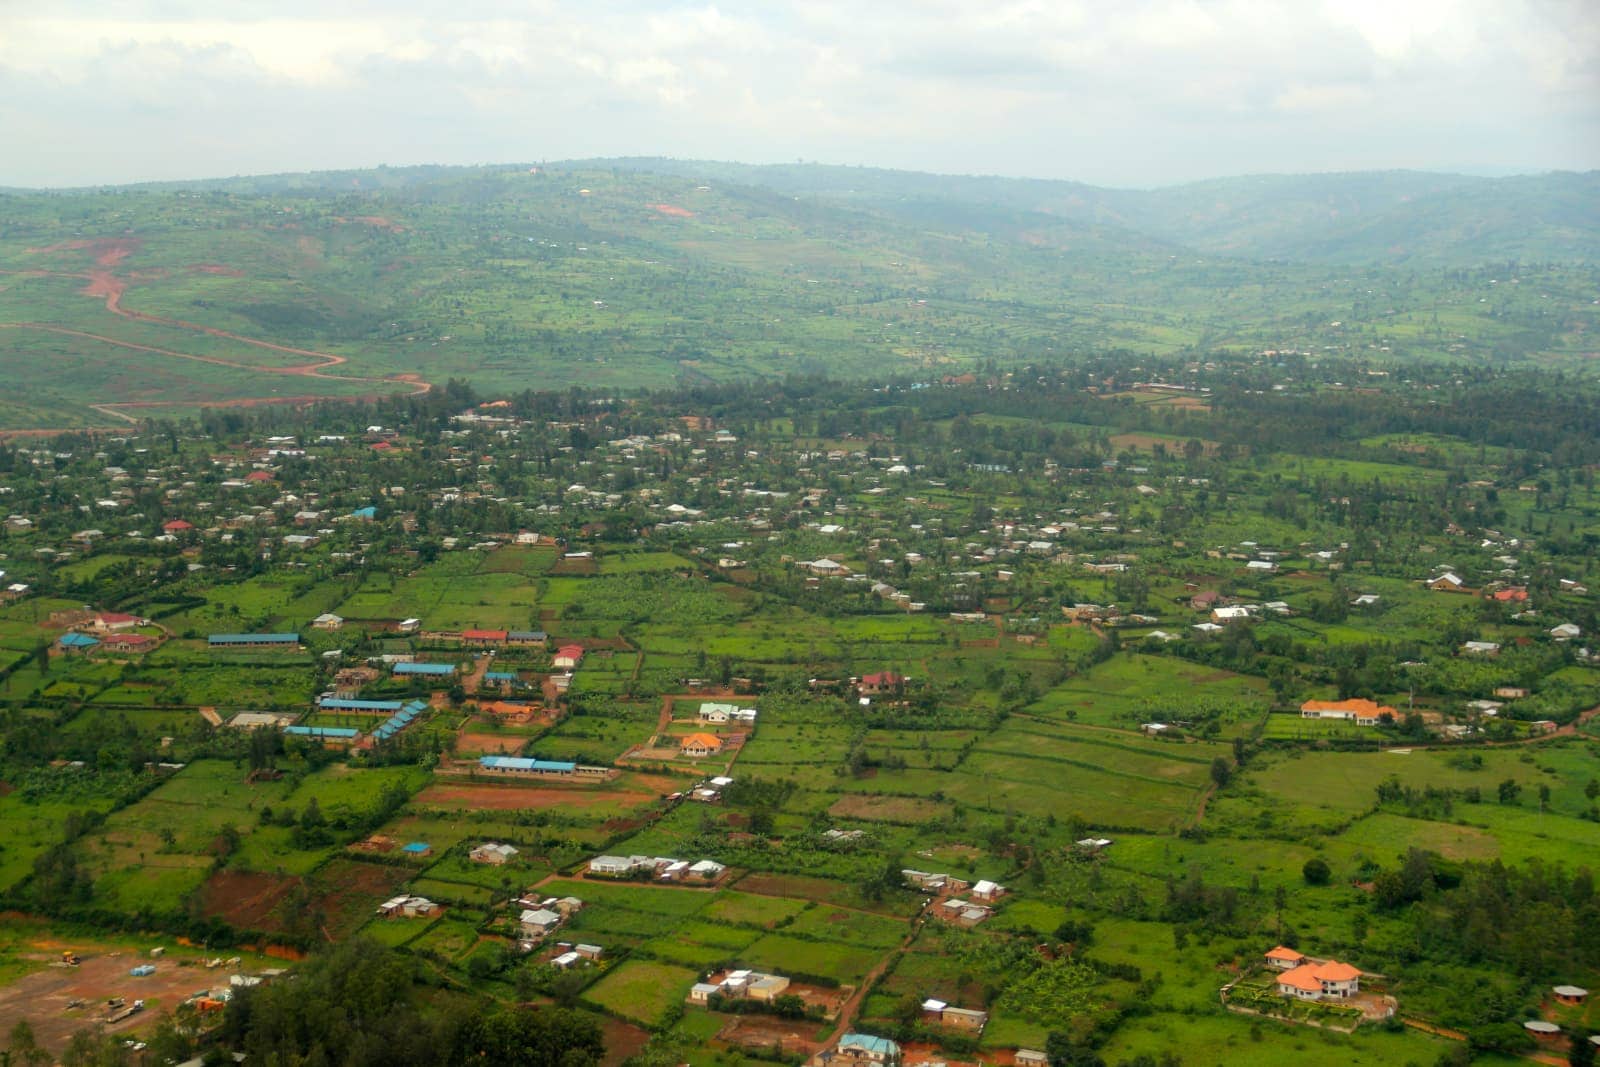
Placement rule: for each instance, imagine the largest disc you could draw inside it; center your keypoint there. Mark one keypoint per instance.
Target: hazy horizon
(1147, 94)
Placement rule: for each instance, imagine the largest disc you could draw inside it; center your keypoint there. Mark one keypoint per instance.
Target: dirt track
(111, 287)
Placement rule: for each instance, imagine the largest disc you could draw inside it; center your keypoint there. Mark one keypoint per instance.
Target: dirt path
(849, 1009)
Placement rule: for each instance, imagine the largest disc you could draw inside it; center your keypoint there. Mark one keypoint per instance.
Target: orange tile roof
(1360, 706)
(1282, 953)
(702, 741)
(1334, 971)
(1302, 977)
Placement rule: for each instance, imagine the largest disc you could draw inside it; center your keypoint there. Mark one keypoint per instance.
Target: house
(1284, 959)
(76, 643)
(1030, 1057)
(525, 637)
(1570, 994)
(568, 657)
(417, 849)
(484, 638)
(716, 713)
(1320, 980)
(110, 622)
(492, 853)
(1565, 632)
(1362, 712)
(942, 1014)
(696, 746)
(1510, 595)
(537, 922)
(1480, 648)
(963, 913)
(1510, 692)
(1448, 582)
(405, 906)
(615, 866)
(937, 883)
(867, 1048)
(880, 683)
(987, 892)
(327, 621)
(177, 526)
(129, 643)
(705, 871)
(1237, 613)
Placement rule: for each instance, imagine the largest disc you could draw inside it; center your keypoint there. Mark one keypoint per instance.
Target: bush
(1316, 872)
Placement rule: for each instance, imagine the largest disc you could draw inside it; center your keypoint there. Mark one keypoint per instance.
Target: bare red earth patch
(672, 209)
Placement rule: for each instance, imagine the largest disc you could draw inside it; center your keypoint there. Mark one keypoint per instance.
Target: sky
(1114, 92)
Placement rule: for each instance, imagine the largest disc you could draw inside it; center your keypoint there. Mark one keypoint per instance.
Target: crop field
(642, 990)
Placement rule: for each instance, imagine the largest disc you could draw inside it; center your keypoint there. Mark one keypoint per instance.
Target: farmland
(902, 694)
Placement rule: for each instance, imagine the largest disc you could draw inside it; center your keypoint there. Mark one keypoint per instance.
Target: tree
(1581, 1051)
(1220, 771)
(22, 1048)
(1509, 791)
(1316, 871)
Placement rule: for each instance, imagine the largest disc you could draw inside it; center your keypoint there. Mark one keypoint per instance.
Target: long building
(253, 641)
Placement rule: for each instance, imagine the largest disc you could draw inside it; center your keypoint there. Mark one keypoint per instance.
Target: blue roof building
(329, 733)
(523, 765)
(253, 640)
(436, 670)
(76, 642)
(368, 512)
(499, 676)
(346, 704)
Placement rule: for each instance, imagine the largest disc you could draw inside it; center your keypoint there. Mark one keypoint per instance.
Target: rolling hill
(118, 304)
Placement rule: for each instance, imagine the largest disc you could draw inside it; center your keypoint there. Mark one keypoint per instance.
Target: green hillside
(157, 300)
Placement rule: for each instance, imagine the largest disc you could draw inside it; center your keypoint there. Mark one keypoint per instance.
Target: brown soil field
(494, 798)
(42, 997)
(622, 1041)
(886, 809)
(344, 894)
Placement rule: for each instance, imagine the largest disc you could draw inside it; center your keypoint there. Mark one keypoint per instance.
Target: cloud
(1140, 92)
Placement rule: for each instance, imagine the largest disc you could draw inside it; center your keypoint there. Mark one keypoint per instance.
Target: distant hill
(116, 304)
(1359, 218)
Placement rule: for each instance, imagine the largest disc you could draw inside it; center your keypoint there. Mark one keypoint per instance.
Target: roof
(1360, 706)
(483, 635)
(1570, 991)
(869, 1043)
(1334, 971)
(570, 650)
(342, 704)
(415, 846)
(75, 640)
(520, 763)
(1302, 977)
(254, 639)
(702, 741)
(1282, 953)
(435, 669)
(336, 732)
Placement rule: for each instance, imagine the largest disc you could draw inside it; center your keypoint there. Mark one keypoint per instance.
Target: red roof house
(177, 526)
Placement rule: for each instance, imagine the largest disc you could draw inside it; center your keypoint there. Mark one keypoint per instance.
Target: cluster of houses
(739, 985)
(658, 868)
(1305, 978)
(540, 917)
(407, 906)
(954, 909)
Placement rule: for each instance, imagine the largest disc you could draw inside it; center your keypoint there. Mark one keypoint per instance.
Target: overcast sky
(1115, 92)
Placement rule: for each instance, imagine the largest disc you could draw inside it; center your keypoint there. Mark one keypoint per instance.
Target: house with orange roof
(1284, 959)
(698, 745)
(1360, 711)
(1320, 980)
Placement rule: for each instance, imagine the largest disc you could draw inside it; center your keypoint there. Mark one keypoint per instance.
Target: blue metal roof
(76, 640)
(520, 763)
(438, 669)
(254, 639)
(499, 676)
(368, 512)
(415, 846)
(341, 732)
(341, 704)
(870, 1042)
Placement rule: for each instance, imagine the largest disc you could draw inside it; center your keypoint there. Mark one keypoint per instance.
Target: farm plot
(1128, 690)
(642, 990)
